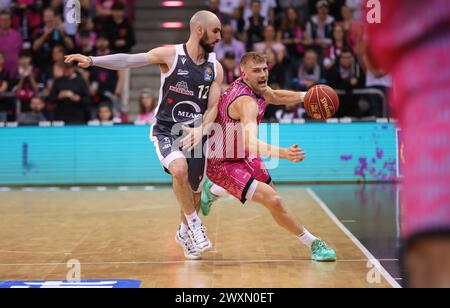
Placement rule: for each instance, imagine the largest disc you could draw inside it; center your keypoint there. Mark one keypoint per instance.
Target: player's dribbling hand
(193, 138)
(83, 61)
(295, 154)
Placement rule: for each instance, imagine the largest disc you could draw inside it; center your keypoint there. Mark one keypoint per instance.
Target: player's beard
(207, 47)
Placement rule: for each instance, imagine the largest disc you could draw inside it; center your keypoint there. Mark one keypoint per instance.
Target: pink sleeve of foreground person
(415, 38)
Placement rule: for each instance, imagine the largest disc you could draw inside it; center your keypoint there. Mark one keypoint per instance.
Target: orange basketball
(321, 102)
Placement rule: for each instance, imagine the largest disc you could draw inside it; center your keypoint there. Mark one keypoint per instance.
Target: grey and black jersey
(183, 97)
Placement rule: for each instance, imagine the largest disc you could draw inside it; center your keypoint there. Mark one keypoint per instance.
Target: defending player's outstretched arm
(245, 109)
(161, 55)
(284, 97)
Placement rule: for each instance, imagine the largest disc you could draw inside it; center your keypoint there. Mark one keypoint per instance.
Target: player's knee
(179, 170)
(275, 203)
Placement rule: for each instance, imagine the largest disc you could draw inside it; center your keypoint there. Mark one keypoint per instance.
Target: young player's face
(256, 75)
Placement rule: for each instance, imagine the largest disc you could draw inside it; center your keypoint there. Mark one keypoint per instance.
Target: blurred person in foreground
(412, 42)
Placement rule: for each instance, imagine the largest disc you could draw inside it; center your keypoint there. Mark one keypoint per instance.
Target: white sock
(307, 238)
(183, 230)
(218, 191)
(193, 220)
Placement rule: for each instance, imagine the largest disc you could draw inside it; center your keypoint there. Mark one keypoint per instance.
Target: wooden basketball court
(130, 235)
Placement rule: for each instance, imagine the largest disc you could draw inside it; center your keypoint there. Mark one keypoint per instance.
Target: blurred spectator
(26, 17)
(310, 72)
(289, 113)
(270, 42)
(46, 76)
(47, 79)
(102, 13)
(232, 9)
(300, 7)
(276, 80)
(36, 114)
(27, 86)
(86, 37)
(71, 95)
(294, 38)
(256, 25)
(214, 7)
(4, 76)
(105, 113)
(58, 53)
(105, 85)
(5, 5)
(11, 44)
(335, 8)
(353, 29)
(356, 6)
(103, 10)
(61, 9)
(147, 106)
(276, 69)
(266, 10)
(320, 27)
(120, 32)
(7, 105)
(229, 43)
(347, 75)
(335, 50)
(47, 37)
(383, 82)
(85, 46)
(231, 70)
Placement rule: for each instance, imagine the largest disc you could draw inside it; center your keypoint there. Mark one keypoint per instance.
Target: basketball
(321, 102)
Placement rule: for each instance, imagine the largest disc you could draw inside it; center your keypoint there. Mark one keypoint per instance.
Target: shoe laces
(199, 234)
(188, 244)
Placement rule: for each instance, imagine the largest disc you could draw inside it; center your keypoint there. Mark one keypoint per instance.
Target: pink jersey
(229, 165)
(413, 43)
(228, 144)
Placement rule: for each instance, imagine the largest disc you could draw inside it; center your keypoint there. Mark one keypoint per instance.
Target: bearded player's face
(210, 38)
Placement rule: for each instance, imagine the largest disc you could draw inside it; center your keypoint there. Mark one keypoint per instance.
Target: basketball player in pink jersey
(243, 174)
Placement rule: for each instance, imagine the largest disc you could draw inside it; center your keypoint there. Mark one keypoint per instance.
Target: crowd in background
(306, 42)
(35, 36)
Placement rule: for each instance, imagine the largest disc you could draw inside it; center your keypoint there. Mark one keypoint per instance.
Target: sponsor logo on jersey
(181, 88)
(183, 72)
(208, 74)
(186, 112)
(183, 60)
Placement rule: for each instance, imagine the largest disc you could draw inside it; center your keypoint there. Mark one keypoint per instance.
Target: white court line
(189, 261)
(364, 250)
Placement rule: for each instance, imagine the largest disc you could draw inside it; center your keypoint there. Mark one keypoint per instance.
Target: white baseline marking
(364, 250)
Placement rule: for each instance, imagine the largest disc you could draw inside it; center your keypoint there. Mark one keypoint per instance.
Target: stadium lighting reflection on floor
(173, 3)
(172, 25)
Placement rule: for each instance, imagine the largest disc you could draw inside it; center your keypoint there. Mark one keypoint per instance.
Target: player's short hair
(255, 57)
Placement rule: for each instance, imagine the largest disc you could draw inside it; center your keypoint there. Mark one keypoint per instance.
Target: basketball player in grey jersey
(190, 90)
